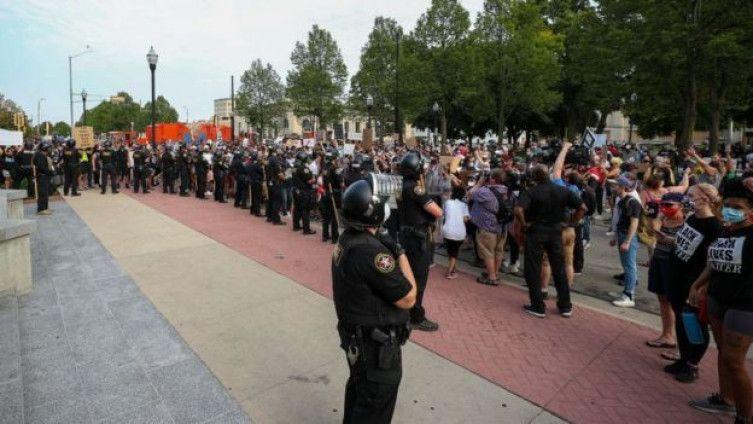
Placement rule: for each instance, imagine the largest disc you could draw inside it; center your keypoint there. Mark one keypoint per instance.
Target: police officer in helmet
(71, 167)
(303, 194)
(416, 213)
(373, 289)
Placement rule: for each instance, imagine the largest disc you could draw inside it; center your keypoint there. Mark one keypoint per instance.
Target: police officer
(255, 172)
(220, 172)
(354, 171)
(139, 169)
(275, 176)
(71, 168)
(417, 211)
(168, 171)
(107, 158)
(44, 172)
(121, 162)
(332, 198)
(25, 157)
(303, 194)
(241, 179)
(373, 289)
(202, 168)
(184, 163)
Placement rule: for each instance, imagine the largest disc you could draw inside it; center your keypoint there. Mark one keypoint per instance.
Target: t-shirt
(629, 207)
(730, 257)
(454, 224)
(691, 245)
(545, 204)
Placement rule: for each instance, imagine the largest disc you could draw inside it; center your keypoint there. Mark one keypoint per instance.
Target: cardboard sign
(84, 137)
(410, 142)
(368, 139)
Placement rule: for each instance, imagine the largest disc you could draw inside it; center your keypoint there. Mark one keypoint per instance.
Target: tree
(520, 61)
(317, 81)
(164, 112)
(7, 109)
(261, 96)
(62, 128)
(376, 74)
(109, 116)
(441, 46)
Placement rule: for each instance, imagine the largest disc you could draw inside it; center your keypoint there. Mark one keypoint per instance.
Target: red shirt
(599, 173)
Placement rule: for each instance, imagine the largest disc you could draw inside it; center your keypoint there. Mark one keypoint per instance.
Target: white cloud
(201, 43)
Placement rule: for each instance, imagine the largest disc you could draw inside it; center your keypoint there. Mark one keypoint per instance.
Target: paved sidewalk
(94, 348)
(270, 340)
(591, 368)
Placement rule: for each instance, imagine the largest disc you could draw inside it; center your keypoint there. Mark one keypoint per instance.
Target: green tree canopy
(261, 96)
(317, 80)
(62, 128)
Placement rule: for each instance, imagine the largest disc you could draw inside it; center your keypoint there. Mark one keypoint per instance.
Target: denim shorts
(735, 320)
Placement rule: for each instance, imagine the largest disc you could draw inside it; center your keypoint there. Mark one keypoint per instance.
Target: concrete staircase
(11, 382)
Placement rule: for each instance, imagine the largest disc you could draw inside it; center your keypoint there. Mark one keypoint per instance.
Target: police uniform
(255, 172)
(121, 160)
(333, 183)
(24, 171)
(71, 169)
(303, 198)
(168, 172)
(274, 190)
(107, 159)
(139, 170)
(241, 180)
(202, 168)
(220, 171)
(44, 172)
(415, 237)
(366, 282)
(184, 162)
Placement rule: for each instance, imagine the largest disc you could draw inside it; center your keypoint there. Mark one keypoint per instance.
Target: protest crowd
(528, 211)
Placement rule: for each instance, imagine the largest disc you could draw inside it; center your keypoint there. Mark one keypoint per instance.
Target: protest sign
(84, 137)
(11, 138)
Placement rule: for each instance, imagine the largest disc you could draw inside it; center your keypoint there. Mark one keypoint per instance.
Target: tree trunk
(690, 111)
(444, 127)
(602, 123)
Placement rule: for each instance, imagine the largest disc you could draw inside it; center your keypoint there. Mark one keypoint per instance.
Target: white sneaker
(513, 269)
(609, 233)
(624, 302)
(586, 245)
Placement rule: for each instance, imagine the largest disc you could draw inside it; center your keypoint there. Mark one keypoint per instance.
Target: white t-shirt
(454, 225)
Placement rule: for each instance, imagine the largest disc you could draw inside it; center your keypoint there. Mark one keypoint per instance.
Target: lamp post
(398, 125)
(70, 77)
(151, 58)
(369, 105)
(39, 115)
(435, 109)
(83, 100)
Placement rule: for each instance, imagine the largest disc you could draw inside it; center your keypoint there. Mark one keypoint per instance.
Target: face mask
(670, 211)
(733, 215)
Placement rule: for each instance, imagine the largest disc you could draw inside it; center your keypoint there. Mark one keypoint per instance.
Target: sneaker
(688, 374)
(609, 234)
(624, 302)
(586, 245)
(426, 325)
(566, 312)
(675, 367)
(535, 312)
(513, 269)
(713, 404)
(45, 212)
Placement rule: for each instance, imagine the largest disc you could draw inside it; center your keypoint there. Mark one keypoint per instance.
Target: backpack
(505, 210)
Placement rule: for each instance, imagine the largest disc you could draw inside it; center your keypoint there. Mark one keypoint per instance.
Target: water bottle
(692, 326)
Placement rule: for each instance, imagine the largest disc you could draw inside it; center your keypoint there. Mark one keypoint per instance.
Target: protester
(628, 212)
(488, 197)
(453, 230)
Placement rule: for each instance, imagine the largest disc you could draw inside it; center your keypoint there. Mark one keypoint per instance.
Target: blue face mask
(733, 215)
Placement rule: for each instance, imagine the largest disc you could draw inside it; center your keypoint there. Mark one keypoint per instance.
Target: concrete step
(11, 384)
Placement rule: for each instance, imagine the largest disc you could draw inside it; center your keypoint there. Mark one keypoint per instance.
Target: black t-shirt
(691, 246)
(629, 207)
(730, 258)
(410, 206)
(366, 281)
(273, 171)
(545, 204)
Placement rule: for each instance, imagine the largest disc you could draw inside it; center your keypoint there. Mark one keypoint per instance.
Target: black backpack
(505, 210)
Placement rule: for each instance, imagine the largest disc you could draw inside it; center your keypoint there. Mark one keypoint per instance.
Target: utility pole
(39, 115)
(398, 126)
(232, 109)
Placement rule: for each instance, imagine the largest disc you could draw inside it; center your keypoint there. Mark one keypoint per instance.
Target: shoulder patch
(419, 190)
(384, 263)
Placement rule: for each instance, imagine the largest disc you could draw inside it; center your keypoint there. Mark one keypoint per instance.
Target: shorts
(735, 320)
(659, 276)
(490, 245)
(453, 247)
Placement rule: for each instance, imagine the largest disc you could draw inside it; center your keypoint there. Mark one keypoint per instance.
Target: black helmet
(411, 165)
(360, 208)
(108, 143)
(45, 145)
(254, 156)
(367, 163)
(302, 157)
(70, 143)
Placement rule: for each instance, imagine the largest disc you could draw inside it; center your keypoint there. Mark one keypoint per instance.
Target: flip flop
(660, 345)
(670, 355)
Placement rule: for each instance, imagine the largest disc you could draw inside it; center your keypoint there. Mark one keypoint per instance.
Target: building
(223, 113)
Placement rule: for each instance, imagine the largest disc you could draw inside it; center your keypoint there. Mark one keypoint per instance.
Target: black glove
(388, 242)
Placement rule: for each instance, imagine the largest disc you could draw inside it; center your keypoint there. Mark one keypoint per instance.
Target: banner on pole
(84, 137)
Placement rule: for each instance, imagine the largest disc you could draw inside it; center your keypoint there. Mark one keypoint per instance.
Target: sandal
(451, 276)
(670, 355)
(660, 344)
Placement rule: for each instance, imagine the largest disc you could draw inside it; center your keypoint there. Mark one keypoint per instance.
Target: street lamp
(435, 109)
(70, 77)
(151, 58)
(83, 100)
(39, 115)
(369, 104)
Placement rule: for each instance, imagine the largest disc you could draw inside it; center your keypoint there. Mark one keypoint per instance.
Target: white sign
(349, 148)
(309, 142)
(11, 138)
(356, 136)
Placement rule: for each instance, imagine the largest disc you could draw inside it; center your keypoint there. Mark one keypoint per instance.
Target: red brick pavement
(592, 368)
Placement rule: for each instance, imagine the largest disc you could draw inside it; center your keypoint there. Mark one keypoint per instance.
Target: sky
(200, 45)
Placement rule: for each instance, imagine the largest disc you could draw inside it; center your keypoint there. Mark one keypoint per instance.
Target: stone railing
(15, 244)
